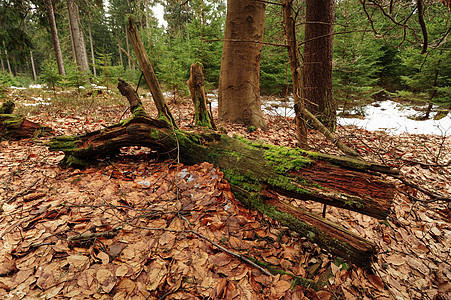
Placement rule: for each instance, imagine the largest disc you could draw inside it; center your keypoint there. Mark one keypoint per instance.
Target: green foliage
(49, 73)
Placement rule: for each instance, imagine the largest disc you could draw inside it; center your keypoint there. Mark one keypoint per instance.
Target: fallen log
(17, 127)
(257, 172)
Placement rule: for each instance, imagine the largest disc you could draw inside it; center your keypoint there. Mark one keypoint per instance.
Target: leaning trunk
(56, 41)
(239, 82)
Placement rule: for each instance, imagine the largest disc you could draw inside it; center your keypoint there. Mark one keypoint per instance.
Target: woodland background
(372, 53)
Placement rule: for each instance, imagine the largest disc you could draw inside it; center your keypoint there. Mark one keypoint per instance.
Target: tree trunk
(318, 51)
(257, 173)
(79, 45)
(7, 62)
(163, 110)
(202, 116)
(33, 69)
(92, 50)
(296, 72)
(55, 38)
(239, 82)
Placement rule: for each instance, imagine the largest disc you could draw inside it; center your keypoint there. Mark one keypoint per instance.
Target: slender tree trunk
(33, 69)
(120, 52)
(318, 61)
(1, 61)
(79, 45)
(296, 71)
(239, 82)
(55, 38)
(7, 62)
(92, 50)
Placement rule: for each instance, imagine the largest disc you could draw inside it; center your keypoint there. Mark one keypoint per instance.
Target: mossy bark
(17, 127)
(257, 173)
(202, 117)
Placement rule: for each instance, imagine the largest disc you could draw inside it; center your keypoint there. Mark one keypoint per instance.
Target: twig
(93, 235)
(22, 192)
(432, 195)
(266, 272)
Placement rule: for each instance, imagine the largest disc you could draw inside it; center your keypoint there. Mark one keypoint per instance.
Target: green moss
(63, 143)
(354, 203)
(154, 134)
(282, 159)
(7, 107)
(248, 181)
(286, 183)
(73, 161)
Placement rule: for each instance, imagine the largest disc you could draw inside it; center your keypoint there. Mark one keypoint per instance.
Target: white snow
(388, 116)
(393, 118)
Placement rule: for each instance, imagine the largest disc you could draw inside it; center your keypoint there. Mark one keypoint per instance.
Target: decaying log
(17, 127)
(257, 173)
(202, 116)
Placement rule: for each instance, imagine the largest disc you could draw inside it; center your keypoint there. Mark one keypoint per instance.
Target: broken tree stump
(257, 173)
(202, 116)
(17, 127)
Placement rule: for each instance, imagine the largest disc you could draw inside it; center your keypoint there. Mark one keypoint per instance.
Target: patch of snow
(35, 86)
(394, 118)
(17, 88)
(100, 87)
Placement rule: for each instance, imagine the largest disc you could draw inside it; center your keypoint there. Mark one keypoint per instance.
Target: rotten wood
(257, 172)
(202, 116)
(149, 74)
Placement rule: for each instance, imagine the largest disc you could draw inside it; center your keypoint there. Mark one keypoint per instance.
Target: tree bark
(163, 110)
(296, 72)
(257, 174)
(17, 127)
(55, 38)
(79, 45)
(239, 82)
(33, 69)
(318, 52)
(202, 116)
(91, 44)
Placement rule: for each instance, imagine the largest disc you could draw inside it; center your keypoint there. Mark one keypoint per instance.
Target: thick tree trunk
(257, 173)
(55, 38)
(239, 82)
(79, 45)
(202, 116)
(163, 110)
(318, 51)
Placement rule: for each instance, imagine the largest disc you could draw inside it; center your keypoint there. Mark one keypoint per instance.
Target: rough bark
(257, 173)
(163, 110)
(296, 72)
(318, 51)
(239, 82)
(202, 116)
(17, 127)
(55, 38)
(79, 45)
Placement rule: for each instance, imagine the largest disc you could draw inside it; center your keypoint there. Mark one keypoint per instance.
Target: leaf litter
(136, 227)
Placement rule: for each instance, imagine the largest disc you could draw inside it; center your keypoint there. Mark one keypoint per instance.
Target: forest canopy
(399, 47)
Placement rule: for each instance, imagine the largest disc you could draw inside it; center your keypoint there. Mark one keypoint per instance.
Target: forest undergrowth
(137, 227)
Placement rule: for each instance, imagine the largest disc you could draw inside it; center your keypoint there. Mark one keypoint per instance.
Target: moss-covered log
(257, 173)
(17, 127)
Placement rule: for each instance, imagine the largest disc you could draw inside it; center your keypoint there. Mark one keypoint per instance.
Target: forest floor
(134, 227)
